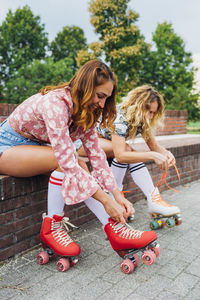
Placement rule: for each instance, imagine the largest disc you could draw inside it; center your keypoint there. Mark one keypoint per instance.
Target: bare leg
(106, 145)
(27, 160)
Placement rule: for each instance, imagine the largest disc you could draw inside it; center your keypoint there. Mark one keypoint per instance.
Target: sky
(55, 14)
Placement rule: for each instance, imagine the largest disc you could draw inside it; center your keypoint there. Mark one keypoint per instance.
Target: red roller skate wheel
(156, 251)
(63, 264)
(127, 266)
(148, 257)
(42, 258)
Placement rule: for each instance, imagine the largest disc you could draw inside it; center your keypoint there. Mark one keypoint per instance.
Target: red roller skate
(57, 242)
(127, 242)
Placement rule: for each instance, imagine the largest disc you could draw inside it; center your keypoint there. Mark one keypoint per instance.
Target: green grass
(193, 127)
(194, 124)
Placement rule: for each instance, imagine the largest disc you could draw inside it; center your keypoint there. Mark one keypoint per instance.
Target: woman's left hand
(171, 159)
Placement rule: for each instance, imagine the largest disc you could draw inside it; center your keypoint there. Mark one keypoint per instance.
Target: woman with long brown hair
(37, 138)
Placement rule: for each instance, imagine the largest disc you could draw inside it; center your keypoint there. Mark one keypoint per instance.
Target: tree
(169, 69)
(22, 39)
(121, 43)
(67, 44)
(94, 52)
(31, 78)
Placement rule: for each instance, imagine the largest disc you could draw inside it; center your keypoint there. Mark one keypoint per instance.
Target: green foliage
(67, 44)
(31, 78)
(169, 69)
(23, 45)
(184, 100)
(122, 45)
(194, 124)
(94, 51)
(22, 39)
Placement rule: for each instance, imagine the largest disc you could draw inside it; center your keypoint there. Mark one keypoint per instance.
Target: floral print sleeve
(78, 185)
(101, 170)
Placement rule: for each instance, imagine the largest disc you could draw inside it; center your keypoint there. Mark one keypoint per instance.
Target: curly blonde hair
(82, 88)
(136, 106)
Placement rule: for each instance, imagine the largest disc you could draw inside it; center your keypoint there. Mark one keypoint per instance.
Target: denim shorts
(10, 138)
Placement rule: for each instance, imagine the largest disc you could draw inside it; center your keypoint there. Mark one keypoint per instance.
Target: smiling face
(101, 93)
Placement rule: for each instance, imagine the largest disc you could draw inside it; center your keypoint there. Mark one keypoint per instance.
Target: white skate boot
(160, 210)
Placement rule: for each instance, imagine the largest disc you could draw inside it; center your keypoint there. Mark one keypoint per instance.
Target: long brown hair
(82, 88)
(136, 107)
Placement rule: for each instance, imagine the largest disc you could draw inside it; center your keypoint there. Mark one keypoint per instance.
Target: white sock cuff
(56, 178)
(136, 167)
(119, 165)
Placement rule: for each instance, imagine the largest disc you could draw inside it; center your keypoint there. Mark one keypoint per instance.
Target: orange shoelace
(163, 179)
(123, 192)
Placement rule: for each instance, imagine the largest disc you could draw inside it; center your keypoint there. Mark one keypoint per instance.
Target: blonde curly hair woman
(141, 112)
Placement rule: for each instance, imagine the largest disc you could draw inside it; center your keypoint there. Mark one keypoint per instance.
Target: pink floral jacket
(48, 118)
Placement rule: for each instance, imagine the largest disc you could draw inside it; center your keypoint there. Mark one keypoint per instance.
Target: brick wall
(5, 110)
(175, 122)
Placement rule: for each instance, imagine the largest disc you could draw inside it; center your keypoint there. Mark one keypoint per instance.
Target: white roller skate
(161, 212)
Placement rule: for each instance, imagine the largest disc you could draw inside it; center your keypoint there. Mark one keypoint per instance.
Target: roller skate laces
(158, 199)
(126, 231)
(155, 195)
(164, 180)
(160, 209)
(60, 231)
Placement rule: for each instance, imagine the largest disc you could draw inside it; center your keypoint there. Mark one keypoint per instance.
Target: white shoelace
(126, 231)
(60, 229)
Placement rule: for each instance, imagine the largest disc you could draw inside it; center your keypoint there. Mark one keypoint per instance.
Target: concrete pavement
(97, 276)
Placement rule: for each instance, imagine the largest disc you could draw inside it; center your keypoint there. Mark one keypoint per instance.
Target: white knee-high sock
(141, 177)
(119, 171)
(98, 209)
(55, 199)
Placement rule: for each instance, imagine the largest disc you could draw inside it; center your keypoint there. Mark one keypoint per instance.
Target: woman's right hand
(116, 211)
(161, 161)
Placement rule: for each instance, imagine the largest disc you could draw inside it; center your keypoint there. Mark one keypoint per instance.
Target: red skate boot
(56, 241)
(127, 242)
